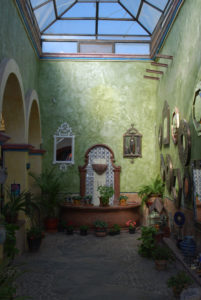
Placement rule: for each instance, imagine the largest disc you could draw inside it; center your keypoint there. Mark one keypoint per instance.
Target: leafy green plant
(156, 187)
(49, 183)
(34, 233)
(115, 229)
(14, 204)
(88, 199)
(77, 198)
(146, 248)
(8, 287)
(162, 253)
(179, 282)
(106, 192)
(10, 249)
(98, 224)
(122, 197)
(84, 227)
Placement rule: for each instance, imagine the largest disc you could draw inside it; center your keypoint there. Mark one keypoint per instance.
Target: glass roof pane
(62, 5)
(35, 3)
(45, 15)
(80, 10)
(120, 27)
(132, 48)
(158, 3)
(59, 47)
(131, 5)
(123, 38)
(72, 27)
(149, 17)
(67, 37)
(112, 10)
(97, 1)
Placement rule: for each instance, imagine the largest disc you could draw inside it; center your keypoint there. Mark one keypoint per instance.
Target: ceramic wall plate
(166, 124)
(187, 187)
(169, 172)
(184, 142)
(177, 187)
(175, 125)
(160, 136)
(162, 167)
(196, 109)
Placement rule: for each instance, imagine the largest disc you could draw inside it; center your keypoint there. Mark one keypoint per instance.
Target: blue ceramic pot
(188, 246)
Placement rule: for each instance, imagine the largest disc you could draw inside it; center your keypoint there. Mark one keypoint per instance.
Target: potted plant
(115, 230)
(34, 238)
(161, 255)
(155, 189)
(14, 204)
(49, 183)
(106, 192)
(88, 199)
(84, 229)
(131, 226)
(179, 282)
(100, 228)
(61, 225)
(77, 200)
(122, 200)
(148, 242)
(69, 228)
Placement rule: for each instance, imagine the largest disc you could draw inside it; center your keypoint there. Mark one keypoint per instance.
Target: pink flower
(131, 223)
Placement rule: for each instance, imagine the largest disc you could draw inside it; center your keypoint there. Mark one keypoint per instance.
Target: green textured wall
(178, 83)
(15, 44)
(100, 100)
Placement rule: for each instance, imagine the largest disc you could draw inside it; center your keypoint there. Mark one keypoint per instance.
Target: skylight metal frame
(148, 38)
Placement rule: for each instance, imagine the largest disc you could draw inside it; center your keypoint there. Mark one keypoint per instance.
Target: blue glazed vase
(188, 246)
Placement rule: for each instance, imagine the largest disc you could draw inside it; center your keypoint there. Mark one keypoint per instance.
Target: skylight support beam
(128, 11)
(97, 41)
(97, 15)
(84, 34)
(139, 9)
(152, 5)
(48, 26)
(95, 18)
(65, 11)
(42, 4)
(55, 9)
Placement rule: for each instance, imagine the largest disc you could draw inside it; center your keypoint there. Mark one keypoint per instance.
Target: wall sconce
(132, 143)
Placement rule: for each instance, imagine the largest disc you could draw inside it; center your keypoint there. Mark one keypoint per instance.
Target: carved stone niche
(99, 169)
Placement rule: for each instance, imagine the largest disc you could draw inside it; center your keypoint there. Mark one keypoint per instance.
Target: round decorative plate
(196, 109)
(162, 168)
(179, 218)
(169, 172)
(184, 142)
(175, 125)
(160, 136)
(177, 188)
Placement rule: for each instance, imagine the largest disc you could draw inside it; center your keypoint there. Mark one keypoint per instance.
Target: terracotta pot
(76, 202)
(100, 232)
(83, 232)
(34, 244)
(51, 224)
(132, 230)
(160, 264)
(103, 204)
(122, 202)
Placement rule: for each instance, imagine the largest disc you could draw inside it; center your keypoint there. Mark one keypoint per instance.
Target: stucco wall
(15, 44)
(178, 83)
(99, 100)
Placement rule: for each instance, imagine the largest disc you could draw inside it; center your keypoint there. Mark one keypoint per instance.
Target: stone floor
(87, 268)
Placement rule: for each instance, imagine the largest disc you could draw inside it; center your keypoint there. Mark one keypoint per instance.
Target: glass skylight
(129, 21)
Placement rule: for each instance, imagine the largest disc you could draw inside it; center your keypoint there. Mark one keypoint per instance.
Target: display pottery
(160, 264)
(122, 202)
(188, 246)
(51, 224)
(100, 232)
(132, 230)
(69, 231)
(34, 244)
(76, 202)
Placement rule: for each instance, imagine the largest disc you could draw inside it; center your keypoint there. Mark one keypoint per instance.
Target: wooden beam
(164, 56)
(95, 18)
(154, 71)
(159, 64)
(151, 77)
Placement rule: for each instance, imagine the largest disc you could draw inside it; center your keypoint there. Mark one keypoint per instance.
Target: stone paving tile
(86, 268)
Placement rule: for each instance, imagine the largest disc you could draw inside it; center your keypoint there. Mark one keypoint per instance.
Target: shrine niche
(99, 169)
(132, 143)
